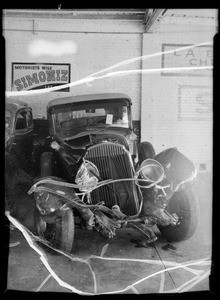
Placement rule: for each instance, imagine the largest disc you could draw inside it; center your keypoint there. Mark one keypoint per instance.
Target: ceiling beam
(148, 13)
(124, 14)
(153, 18)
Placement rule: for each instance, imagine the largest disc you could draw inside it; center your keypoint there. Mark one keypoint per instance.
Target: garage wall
(99, 44)
(176, 107)
(175, 110)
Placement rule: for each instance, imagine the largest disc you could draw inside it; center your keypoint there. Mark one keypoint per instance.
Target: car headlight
(151, 170)
(54, 145)
(133, 136)
(87, 175)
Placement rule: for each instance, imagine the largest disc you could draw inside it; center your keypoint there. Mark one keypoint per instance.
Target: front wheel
(184, 204)
(61, 233)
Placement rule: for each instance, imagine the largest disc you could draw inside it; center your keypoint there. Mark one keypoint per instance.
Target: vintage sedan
(86, 120)
(23, 147)
(96, 171)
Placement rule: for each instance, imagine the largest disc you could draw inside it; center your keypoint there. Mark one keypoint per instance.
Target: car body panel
(112, 138)
(87, 97)
(78, 127)
(19, 133)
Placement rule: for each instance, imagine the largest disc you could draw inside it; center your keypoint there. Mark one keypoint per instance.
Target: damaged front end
(137, 200)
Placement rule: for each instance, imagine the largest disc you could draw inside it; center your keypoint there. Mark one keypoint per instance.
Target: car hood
(96, 135)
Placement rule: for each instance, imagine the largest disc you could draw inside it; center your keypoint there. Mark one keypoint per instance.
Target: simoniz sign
(32, 76)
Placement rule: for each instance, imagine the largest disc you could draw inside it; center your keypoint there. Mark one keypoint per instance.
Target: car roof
(15, 104)
(86, 97)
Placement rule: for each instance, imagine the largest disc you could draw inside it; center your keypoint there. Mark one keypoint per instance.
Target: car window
(21, 120)
(29, 119)
(112, 113)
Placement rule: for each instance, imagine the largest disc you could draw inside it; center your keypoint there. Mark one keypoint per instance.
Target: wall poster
(32, 76)
(200, 56)
(195, 103)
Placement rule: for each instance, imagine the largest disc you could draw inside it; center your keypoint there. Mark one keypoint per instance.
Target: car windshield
(76, 118)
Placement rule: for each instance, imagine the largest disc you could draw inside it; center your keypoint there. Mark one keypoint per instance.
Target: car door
(22, 143)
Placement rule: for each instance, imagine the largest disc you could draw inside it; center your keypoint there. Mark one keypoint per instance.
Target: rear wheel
(184, 204)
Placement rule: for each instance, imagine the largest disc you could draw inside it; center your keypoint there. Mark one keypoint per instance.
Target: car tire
(145, 150)
(184, 204)
(64, 231)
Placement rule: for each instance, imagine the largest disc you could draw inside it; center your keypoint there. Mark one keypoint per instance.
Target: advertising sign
(195, 103)
(201, 56)
(32, 76)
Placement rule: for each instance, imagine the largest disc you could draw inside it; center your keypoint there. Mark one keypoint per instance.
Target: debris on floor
(168, 246)
(110, 274)
(14, 244)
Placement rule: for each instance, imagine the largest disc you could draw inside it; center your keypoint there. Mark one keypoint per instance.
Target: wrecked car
(22, 148)
(98, 174)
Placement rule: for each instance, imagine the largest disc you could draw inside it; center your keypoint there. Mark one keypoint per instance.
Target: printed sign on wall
(195, 103)
(32, 76)
(201, 56)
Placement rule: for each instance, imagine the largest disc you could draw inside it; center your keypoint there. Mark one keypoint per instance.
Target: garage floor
(124, 264)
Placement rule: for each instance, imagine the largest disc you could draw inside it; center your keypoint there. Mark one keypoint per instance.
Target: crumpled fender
(178, 168)
(51, 185)
(106, 225)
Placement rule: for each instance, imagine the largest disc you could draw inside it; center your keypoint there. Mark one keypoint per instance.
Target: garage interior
(163, 60)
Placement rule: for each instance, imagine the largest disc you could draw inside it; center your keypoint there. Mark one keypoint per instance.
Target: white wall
(160, 110)
(99, 45)
(102, 43)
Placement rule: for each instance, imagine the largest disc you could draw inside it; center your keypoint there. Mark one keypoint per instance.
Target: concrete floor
(124, 264)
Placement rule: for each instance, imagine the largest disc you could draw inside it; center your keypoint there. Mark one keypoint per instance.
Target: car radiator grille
(113, 162)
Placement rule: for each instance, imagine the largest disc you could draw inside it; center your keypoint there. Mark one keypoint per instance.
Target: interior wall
(97, 45)
(176, 107)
